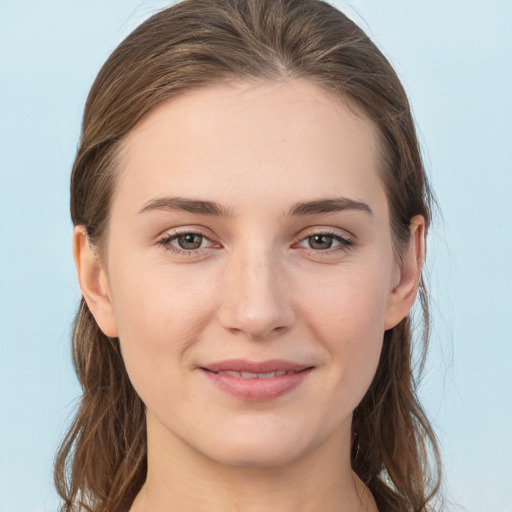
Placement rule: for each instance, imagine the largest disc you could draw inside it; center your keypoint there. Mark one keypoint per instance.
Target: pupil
(190, 241)
(320, 241)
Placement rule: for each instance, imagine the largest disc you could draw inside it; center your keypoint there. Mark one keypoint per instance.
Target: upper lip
(245, 365)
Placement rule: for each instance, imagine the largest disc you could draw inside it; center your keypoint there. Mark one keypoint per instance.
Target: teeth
(250, 375)
(266, 375)
(234, 374)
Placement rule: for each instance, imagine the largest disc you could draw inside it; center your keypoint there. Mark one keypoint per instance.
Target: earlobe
(402, 296)
(93, 282)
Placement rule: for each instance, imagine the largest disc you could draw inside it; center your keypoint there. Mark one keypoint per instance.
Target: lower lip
(257, 390)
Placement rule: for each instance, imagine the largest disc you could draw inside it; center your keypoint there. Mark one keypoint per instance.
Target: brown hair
(101, 464)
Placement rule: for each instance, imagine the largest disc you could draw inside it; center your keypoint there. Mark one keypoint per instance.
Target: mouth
(256, 381)
(251, 375)
(253, 369)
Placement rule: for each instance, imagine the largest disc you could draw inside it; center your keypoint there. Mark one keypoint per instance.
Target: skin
(258, 287)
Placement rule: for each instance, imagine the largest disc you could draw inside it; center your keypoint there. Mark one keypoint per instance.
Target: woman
(250, 213)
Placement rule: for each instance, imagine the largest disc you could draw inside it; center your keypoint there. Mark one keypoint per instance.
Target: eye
(189, 241)
(326, 242)
(320, 241)
(186, 242)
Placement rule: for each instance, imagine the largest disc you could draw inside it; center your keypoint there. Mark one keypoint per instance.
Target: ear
(93, 282)
(404, 293)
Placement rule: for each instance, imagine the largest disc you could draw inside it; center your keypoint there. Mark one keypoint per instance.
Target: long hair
(101, 464)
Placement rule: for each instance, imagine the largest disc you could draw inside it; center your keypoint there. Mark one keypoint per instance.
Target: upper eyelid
(331, 231)
(175, 234)
(170, 233)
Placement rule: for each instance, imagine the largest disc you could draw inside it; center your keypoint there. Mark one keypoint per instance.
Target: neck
(180, 478)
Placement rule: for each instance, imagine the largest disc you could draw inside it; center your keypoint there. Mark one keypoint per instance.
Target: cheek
(346, 315)
(154, 301)
(160, 315)
(347, 301)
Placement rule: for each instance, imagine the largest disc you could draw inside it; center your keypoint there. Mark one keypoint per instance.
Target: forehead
(244, 140)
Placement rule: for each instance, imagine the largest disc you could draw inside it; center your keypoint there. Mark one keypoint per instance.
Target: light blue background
(455, 60)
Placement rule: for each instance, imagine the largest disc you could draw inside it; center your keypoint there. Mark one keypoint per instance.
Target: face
(249, 232)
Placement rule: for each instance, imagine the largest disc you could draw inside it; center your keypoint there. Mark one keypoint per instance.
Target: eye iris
(190, 241)
(320, 241)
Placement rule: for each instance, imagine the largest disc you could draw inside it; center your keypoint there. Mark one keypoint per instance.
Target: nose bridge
(255, 294)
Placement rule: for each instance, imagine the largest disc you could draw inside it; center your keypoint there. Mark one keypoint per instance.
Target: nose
(255, 297)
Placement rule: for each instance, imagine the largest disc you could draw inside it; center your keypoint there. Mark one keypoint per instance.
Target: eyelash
(345, 243)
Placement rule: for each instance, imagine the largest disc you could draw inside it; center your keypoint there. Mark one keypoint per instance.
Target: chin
(257, 448)
(256, 456)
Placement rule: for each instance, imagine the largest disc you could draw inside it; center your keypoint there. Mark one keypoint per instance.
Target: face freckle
(254, 171)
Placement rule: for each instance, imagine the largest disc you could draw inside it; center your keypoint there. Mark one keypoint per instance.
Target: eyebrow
(336, 204)
(187, 205)
(211, 208)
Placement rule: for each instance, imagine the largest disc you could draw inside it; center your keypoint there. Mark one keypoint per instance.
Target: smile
(257, 386)
(251, 375)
